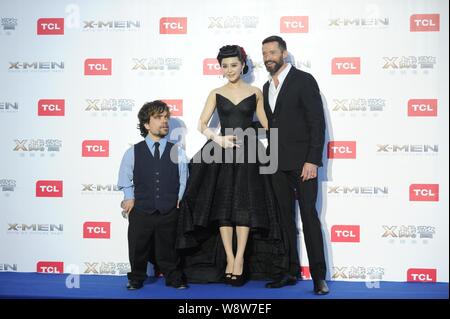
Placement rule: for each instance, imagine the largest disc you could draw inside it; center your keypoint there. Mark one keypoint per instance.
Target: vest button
(157, 188)
(157, 173)
(157, 180)
(157, 196)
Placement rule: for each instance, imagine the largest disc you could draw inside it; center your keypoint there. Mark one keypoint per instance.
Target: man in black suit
(293, 105)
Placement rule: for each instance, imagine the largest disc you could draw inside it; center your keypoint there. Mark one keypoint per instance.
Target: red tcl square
(424, 22)
(50, 267)
(175, 106)
(97, 230)
(346, 65)
(422, 107)
(424, 192)
(345, 233)
(51, 107)
(342, 149)
(211, 67)
(98, 67)
(49, 189)
(95, 148)
(294, 24)
(421, 275)
(50, 26)
(173, 25)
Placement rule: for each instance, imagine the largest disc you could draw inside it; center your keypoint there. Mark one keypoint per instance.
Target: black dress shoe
(134, 284)
(179, 285)
(321, 287)
(286, 280)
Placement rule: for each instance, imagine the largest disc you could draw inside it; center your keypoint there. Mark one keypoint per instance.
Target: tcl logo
(95, 148)
(424, 22)
(50, 26)
(305, 272)
(422, 107)
(424, 192)
(346, 65)
(421, 275)
(50, 267)
(97, 230)
(49, 189)
(51, 107)
(98, 67)
(211, 67)
(294, 24)
(175, 106)
(342, 149)
(173, 25)
(345, 233)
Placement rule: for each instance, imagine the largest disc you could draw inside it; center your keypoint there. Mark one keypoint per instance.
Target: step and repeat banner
(74, 74)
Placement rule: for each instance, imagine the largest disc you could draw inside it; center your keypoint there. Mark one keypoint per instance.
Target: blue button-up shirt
(125, 182)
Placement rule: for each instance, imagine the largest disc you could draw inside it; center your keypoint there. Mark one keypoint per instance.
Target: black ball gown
(230, 192)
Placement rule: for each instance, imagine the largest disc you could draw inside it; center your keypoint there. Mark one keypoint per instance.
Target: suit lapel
(266, 100)
(283, 89)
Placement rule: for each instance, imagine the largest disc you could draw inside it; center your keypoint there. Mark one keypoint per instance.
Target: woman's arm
(208, 110)
(260, 113)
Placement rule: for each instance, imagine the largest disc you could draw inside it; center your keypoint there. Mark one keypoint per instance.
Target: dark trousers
(151, 236)
(285, 183)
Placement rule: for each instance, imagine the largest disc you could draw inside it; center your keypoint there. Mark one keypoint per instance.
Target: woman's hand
(226, 141)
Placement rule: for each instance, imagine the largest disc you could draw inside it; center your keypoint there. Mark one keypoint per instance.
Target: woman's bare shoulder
(255, 90)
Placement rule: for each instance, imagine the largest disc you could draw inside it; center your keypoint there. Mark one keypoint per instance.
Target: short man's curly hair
(149, 109)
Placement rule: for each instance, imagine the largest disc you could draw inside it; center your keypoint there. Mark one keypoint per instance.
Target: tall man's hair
(274, 38)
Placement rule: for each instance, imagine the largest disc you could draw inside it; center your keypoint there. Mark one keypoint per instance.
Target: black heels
(238, 280)
(227, 278)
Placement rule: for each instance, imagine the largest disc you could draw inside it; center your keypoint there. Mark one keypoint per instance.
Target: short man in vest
(153, 177)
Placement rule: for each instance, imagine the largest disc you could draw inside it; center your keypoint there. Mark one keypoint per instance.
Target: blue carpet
(45, 286)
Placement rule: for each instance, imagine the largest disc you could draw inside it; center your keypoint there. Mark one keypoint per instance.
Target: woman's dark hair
(231, 51)
(149, 109)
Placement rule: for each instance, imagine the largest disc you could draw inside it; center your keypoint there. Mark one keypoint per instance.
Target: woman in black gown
(228, 224)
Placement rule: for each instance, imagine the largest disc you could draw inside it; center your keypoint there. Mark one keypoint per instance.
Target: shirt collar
(151, 143)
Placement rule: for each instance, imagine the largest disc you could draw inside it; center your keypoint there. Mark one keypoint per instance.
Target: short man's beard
(161, 133)
(277, 66)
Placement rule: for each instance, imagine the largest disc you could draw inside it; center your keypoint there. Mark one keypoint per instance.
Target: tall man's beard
(274, 69)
